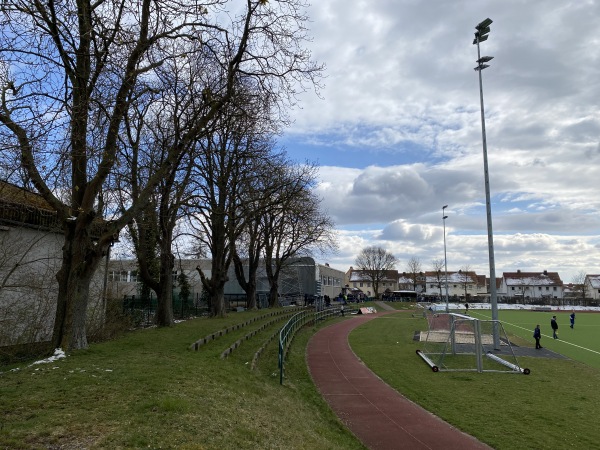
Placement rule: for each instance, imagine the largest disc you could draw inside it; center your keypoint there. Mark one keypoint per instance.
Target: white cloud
(400, 129)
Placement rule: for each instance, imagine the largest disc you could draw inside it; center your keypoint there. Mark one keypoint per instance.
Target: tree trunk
(215, 286)
(80, 260)
(249, 286)
(274, 294)
(164, 293)
(251, 294)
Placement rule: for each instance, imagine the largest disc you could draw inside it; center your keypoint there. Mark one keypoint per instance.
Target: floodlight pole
(481, 35)
(444, 217)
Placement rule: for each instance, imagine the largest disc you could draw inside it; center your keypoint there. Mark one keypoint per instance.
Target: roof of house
(594, 281)
(18, 205)
(532, 278)
(15, 194)
(453, 277)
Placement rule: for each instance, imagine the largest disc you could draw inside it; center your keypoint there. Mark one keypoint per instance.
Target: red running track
(377, 415)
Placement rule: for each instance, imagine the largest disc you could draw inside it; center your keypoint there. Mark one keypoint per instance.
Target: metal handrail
(297, 321)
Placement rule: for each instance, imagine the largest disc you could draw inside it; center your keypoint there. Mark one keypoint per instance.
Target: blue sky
(396, 131)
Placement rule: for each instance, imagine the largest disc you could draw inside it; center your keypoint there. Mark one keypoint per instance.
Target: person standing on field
(537, 334)
(572, 318)
(554, 326)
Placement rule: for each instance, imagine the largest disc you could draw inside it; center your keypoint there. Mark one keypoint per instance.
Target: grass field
(557, 406)
(581, 343)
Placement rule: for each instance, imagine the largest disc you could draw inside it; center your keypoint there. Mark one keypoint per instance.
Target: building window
(512, 288)
(554, 288)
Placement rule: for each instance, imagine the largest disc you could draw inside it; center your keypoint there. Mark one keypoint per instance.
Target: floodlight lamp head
(484, 59)
(444, 218)
(479, 39)
(444, 207)
(484, 24)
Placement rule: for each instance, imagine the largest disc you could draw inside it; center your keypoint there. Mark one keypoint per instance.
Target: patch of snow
(58, 354)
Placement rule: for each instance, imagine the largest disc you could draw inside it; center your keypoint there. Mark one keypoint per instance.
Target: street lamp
(444, 217)
(481, 35)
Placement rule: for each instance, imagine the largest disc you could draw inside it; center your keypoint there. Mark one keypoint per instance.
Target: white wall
(29, 261)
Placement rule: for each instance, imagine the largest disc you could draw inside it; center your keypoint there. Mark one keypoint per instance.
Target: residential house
(405, 282)
(461, 285)
(360, 284)
(412, 282)
(531, 286)
(592, 286)
(483, 287)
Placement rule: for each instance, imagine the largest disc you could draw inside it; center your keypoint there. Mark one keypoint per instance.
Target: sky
(396, 132)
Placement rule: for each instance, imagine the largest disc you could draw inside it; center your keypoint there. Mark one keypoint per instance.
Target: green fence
(143, 309)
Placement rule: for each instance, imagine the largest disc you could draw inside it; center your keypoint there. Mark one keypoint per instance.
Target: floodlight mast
(481, 35)
(444, 217)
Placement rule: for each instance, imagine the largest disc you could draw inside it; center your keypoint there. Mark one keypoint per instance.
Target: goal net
(456, 342)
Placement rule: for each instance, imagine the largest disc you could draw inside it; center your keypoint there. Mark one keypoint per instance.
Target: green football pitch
(581, 343)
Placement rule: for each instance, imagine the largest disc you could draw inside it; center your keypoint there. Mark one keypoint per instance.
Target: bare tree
(375, 262)
(413, 270)
(257, 198)
(294, 225)
(467, 277)
(580, 286)
(70, 72)
(155, 127)
(225, 166)
(437, 267)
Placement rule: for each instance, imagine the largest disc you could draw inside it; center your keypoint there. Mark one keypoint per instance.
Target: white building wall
(29, 261)
(593, 286)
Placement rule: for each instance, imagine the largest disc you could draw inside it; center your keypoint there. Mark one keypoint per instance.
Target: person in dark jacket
(537, 334)
(572, 319)
(554, 327)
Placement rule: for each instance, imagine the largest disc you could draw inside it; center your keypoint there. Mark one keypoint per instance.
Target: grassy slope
(554, 407)
(149, 390)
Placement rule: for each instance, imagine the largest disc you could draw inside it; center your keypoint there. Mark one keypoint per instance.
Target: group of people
(537, 334)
